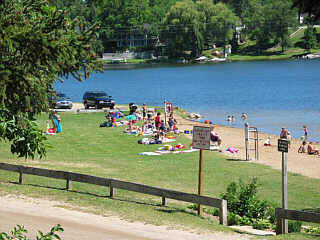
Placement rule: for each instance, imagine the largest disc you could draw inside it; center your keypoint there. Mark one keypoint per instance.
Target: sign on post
(283, 145)
(201, 140)
(201, 137)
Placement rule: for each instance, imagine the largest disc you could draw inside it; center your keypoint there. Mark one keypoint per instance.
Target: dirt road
(36, 214)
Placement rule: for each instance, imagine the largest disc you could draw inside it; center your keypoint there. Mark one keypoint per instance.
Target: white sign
(201, 137)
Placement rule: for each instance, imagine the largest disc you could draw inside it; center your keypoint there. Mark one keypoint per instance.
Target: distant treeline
(190, 26)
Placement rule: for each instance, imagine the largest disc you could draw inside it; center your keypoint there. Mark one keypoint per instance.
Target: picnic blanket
(161, 152)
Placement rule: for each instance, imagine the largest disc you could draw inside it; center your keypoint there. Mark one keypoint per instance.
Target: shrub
(261, 224)
(294, 226)
(245, 208)
(20, 233)
(313, 230)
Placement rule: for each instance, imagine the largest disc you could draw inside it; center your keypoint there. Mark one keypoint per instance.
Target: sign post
(283, 147)
(165, 112)
(201, 140)
(247, 140)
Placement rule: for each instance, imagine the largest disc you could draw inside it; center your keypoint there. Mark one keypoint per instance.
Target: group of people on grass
(153, 124)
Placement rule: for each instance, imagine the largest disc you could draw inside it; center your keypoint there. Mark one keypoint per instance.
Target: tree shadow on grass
(89, 194)
(160, 207)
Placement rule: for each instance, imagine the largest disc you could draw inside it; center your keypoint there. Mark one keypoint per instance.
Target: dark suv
(97, 99)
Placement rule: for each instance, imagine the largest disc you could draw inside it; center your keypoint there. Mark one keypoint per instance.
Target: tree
(269, 21)
(38, 44)
(308, 6)
(310, 38)
(78, 8)
(222, 24)
(238, 6)
(122, 17)
(183, 28)
(282, 20)
(190, 26)
(82, 10)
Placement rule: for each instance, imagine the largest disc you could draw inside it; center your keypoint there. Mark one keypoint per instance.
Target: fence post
(22, 176)
(69, 183)
(224, 212)
(163, 201)
(113, 191)
(279, 227)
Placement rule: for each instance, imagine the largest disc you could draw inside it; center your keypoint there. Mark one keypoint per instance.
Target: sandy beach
(302, 163)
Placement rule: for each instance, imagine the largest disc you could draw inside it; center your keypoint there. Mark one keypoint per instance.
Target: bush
(313, 230)
(19, 232)
(294, 226)
(261, 224)
(245, 208)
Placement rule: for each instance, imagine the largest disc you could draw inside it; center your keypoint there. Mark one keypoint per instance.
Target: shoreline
(298, 163)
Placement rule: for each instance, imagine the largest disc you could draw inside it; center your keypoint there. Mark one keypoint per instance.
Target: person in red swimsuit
(157, 120)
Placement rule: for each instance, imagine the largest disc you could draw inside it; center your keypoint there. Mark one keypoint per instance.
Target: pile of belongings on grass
(110, 120)
(155, 140)
(166, 149)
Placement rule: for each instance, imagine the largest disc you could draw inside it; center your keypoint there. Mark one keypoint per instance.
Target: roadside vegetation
(84, 147)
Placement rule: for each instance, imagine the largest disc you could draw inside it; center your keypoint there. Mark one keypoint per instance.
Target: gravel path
(37, 214)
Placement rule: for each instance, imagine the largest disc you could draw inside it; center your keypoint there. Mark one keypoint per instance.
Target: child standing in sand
(305, 133)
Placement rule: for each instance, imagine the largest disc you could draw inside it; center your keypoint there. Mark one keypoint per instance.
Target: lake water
(271, 93)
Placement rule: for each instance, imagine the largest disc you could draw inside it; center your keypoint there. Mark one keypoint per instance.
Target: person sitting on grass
(214, 137)
(312, 150)
(162, 126)
(108, 121)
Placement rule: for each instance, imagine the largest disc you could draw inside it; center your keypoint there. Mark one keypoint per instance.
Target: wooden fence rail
(118, 184)
(294, 215)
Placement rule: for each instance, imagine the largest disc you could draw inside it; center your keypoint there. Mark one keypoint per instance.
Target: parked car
(97, 99)
(60, 101)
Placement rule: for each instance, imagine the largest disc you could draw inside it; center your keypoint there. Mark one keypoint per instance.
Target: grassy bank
(84, 147)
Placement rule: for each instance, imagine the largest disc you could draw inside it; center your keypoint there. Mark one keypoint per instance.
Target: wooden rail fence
(294, 215)
(118, 184)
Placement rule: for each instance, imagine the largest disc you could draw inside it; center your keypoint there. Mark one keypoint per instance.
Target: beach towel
(214, 148)
(150, 153)
(232, 150)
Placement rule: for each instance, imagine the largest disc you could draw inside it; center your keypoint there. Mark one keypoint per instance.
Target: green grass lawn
(84, 147)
